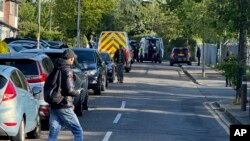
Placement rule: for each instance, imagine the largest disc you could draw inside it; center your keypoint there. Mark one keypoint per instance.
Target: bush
(230, 68)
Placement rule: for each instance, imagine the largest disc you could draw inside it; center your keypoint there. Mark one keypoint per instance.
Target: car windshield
(105, 57)
(27, 67)
(2, 81)
(85, 56)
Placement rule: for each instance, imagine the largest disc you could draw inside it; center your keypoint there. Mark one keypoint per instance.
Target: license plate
(180, 54)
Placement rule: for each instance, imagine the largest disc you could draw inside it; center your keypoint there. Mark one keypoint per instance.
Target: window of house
(1, 5)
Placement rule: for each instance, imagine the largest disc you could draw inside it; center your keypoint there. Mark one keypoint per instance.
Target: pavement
(223, 106)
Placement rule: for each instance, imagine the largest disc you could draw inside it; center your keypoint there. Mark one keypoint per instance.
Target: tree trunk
(242, 50)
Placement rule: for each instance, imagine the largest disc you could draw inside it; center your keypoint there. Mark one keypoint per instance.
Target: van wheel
(128, 69)
(35, 134)
(21, 133)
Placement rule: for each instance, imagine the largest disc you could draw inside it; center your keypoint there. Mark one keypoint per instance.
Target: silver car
(18, 108)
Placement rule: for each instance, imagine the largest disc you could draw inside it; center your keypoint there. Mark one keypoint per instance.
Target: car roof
(84, 49)
(18, 55)
(5, 68)
(43, 51)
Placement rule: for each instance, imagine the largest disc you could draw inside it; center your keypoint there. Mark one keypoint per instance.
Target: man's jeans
(64, 117)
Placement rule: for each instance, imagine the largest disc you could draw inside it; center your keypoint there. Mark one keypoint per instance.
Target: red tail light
(10, 92)
(41, 78)
(10, 123)
(173, 54)
(44, 110)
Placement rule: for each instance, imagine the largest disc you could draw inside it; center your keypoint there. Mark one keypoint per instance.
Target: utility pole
(50, 15)
(39, 22)
(78, 25)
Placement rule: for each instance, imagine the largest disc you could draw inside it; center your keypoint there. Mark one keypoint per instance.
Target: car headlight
(92, 72)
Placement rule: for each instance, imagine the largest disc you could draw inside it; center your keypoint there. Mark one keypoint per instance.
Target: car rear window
(27, 67)
(87, 56)
(3, 81)
(184, 50)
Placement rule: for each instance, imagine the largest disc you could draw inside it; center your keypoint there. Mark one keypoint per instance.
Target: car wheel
(104, 81)
(171, 63)
(97, 90)
(107, 83)
(78, 107)
(21, 133)
(35, 134)
(85, 103)
(45, 124)
(189, 63)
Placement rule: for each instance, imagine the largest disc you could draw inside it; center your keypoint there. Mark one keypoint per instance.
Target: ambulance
(110, 41)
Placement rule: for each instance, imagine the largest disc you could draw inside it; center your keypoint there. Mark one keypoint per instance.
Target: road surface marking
(123, 104)
(217, 118)
(107, 136)
(117, 118)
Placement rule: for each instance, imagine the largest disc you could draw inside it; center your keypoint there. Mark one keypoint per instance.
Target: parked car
(19, 108)
(36, 68)
(95, 68)
(180, 55)
(80, 77)
(109, 65)
(29, 43)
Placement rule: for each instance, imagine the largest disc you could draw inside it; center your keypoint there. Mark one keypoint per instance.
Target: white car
(19, 109)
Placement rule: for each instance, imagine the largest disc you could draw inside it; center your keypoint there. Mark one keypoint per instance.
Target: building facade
(8, 18)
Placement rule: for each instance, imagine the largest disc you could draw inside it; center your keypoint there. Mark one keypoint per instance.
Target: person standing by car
(62, 113)
(198, 55)
(120, 59)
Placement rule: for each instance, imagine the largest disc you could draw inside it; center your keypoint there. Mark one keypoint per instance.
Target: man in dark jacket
(61, 113)
(198, 55)
(120, 60)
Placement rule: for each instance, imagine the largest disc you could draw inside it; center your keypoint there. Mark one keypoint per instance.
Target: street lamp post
(39, 23)
(78, 25)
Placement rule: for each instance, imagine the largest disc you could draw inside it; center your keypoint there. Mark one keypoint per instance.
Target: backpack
(52, 88)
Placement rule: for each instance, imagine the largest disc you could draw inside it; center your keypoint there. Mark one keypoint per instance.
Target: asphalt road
(156, 103)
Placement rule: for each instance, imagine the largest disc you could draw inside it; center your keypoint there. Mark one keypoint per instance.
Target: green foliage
(27, 29)
(27, 11)
(230, 68)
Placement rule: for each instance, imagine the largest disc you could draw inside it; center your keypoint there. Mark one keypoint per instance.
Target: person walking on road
(228, 81)
(120, 60)
(198, 55)
(62, 108)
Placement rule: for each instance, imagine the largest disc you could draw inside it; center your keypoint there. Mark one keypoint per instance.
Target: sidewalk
(220, 97)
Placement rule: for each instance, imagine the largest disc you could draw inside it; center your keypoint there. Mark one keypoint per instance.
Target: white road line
(107, 136)
(117, 118)
(217, 118)
(123, 104)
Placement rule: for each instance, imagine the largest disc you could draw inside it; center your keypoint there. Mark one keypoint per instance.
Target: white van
(151, 49)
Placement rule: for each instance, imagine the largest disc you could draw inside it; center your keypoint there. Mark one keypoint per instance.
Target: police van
(151, 49)
(110, 41)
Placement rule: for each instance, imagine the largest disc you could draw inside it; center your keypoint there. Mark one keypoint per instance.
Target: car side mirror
(36, 91)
